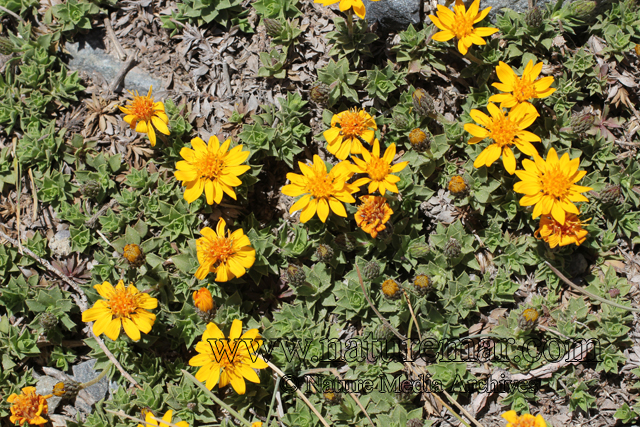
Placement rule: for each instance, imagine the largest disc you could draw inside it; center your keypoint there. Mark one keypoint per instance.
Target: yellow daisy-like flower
(459, 24)
(228, 360)
(550, 185)
(28, 407)
(121, 308)
(143, 115)
(524, 420)
(372, 214)
(378, 169)
(320, 190)
(212, 169)
(259, 423)
(505, 130)
(556, 234)
(521, 89)
(356, 5)
(228, 256)
(149, 420)
(347, 129)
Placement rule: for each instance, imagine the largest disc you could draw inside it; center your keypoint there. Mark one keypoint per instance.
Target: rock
(393, 16)
(44, 386)
(83, 373)
(521, 6)
(60, 243)
(577, 265)
(88, 56)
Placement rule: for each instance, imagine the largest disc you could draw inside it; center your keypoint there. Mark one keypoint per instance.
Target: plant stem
(216, 398)
(273, 400)
(350, 22)
(96, 379)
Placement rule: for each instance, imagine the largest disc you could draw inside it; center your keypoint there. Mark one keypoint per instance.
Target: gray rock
(89, 56)
(44, 386)
(521, 6)
(393, 16)
(83, 373)
(60, 243)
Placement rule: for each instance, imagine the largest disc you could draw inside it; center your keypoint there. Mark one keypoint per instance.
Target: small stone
(60, 243)
(87, 397)
(393, 16)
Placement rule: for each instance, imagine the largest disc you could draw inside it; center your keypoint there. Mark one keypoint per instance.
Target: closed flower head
(378, 169)
(228, 255)
(28, 407)
(320, 190)
(212, 169)
(143, 115)
(524, 420)
(150, 421)
(459, 24)
(521, 89)
(551, 185)
(372, 214)
(347, 130)
(228, 361)
(505, 130)
(203, 300)
(556, 234)
(121, 308)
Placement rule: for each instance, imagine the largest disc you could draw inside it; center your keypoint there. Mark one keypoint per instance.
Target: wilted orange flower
(347, 129)
(524, 420)
(378, 169)
(373, 214)
(212, 169)
(121, 308)
(556, 234)
(227, 255)
(459, 24)
(203, 300)
(28, 407)
(143, 115)
(229, 361)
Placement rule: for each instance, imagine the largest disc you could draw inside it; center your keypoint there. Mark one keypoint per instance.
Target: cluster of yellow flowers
(212, 169)
(323, 191)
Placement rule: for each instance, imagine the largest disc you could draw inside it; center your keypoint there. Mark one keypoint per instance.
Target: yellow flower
(228, 360)
(521, 89)
(121, 307)
(258, 423)
(373, 214)
(347, 129)
(320, 189)
(143, 115)
(203, 300)
(211, 169)
(459, 24)
(524, 420)
(550, 185)
(379, 169)
(505, 130)
(149, 420)
(228, 256)
(28, 407)
(357, 5)
(457, 184)
(556, 234)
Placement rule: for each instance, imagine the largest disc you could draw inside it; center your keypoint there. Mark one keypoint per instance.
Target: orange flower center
(123, 303)
(523, 89)
(234, 358)
(220, 250)
(529, 421)
(27, 406)
(457, 184)
(503, 131)
(555, 183)
(378, 169)
(321, 185)
(142, 108)
(352, 124)
(530, 314)
(462, 26)
(210, 166)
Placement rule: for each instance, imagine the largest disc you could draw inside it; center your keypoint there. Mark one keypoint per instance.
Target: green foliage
(354, 46)
(273, 64)
(282, 9)
(200, 12)
(72, 15)
(382, 82)
(340, 80)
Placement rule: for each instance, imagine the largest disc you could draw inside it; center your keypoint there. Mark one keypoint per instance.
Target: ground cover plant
(295, 218)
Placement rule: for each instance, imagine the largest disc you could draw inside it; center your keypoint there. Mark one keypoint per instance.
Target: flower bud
(68, 389)
(423, 102)
(391, 289)
(452, 249)
(419, 140)
(419, 250)
(296, 275)
(422, 284)
(324, 253)
(134, 254)
(48, 320)
(91, 189)
(319, 93)
(203, 300)
(534, 17)
(528, 318)
(469, 302)
(6, 47)
(273, 26)
(371, 270)
(581, 122)
(611, 194)
(346, 242)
